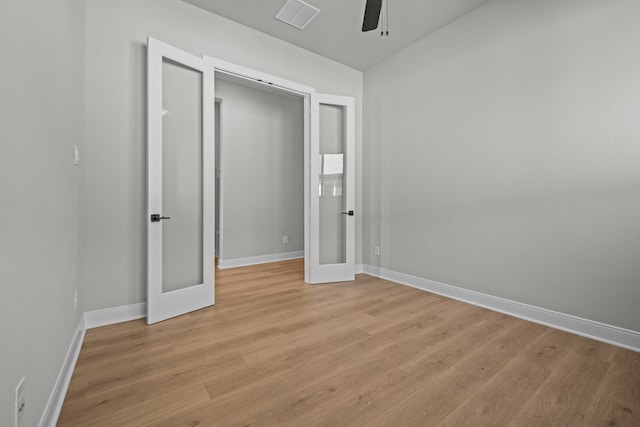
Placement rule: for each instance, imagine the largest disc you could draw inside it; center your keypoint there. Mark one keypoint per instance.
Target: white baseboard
(111, 316)
(262, 259)
(588, 328)
(90, 319)
(359, 268)
(52, 410)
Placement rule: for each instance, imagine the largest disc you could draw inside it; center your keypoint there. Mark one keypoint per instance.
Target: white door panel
(332, 199)
(180, 182)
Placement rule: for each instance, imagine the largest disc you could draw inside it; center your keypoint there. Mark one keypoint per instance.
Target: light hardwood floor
(275, 351)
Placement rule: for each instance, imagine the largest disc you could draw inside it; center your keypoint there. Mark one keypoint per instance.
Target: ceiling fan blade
(371, 15)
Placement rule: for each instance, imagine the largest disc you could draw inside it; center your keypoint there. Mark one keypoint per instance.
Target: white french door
(180, 114)
(332, 186)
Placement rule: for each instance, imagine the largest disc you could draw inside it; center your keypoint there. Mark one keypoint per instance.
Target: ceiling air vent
(297, 13)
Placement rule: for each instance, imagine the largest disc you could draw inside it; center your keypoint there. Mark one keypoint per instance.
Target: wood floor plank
(561, 400)
(497, 352)
(550, 346)
(617, 398)
(451, 352)
(139, 411)
(347, 381)
(437, 398)
(278, 361)
(142, 393)
(275, 351)
(355, 397)
(500, 398)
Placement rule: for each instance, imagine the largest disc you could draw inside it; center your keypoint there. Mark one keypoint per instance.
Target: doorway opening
(259, 169)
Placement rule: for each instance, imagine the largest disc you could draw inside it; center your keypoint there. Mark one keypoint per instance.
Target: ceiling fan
(371, 15)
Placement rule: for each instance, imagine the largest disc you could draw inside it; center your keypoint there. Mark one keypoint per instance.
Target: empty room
(301, 213)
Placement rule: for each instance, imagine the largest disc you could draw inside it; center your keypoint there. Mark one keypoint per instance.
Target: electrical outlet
(376, 250)
(20, 402)
(75, 298)
(285, 240)
(76, 157)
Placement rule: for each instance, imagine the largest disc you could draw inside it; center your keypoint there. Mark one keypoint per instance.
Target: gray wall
(114, 192)
(262, 162)
(41, 119)
(503, 152)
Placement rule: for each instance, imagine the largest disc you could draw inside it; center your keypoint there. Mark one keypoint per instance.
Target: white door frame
(306, 92)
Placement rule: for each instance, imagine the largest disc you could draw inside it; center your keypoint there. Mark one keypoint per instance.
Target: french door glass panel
(333, 223)
(181, 177)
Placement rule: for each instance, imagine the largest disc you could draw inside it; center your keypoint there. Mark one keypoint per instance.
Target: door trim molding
(256, 76)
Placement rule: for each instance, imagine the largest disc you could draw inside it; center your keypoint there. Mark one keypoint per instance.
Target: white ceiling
(336, 32)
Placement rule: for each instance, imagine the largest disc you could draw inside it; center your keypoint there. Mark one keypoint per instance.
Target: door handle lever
(158, 218)
(350, 213)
